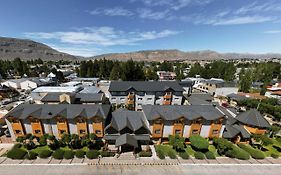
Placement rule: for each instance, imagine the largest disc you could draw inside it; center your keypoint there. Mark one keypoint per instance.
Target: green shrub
(43, 140)
(31, 155)
(184, 155)
(199, 155)
(58, 154)
(29, 144)
(145, 154)
(278, 139)
(223, 145)
(238, 153)
(266, 140)
(107, 154)
(20, 139)
(210, 155)
(172, 154)
(199, 143)
(255, 153)
(80, 154)
(45, 153)
(160, 154)
(92, 154)
(16, 153)
(68, 154)
(275, 156)
(177, 142)
(17, 145)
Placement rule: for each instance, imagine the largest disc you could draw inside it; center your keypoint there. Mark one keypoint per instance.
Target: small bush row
(145, 154)
(255, 153)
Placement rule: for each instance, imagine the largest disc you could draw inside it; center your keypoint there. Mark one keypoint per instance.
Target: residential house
(57, 120)
(134, 94)
(127, 130)
(184, 120)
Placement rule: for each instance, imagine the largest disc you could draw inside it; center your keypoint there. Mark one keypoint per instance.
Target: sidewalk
(141, 161)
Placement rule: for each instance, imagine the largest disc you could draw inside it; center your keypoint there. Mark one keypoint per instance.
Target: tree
(245, 81)
(177, 142)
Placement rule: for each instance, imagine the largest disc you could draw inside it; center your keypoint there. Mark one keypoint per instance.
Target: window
(215, 132)
(122, 98)
(157, 131)
(37, 131)
(177, 131)
(157, 121)
(82, 131)
(195, 131)
(149, 99)
(176, 98)
(196, 122)
(18, 131)
(62, 131)
(139, 98)
(113, 98)
(97, 131)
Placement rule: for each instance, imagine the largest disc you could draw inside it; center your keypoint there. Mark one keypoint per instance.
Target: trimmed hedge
(16, 153)
(58, 154)
(31, 155)
(45, 153)
(238, 153)
(80, 154)
(199, 143)
(92, 154)
(210, 155)
(184, 155)
(199, 155)
(275, 156)
(145, 154)
(172, 154)
(255, 153)
(160, 154)
(107, 154)
(68, 154)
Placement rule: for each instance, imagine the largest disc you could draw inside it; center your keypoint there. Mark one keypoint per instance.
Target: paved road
(142, 170)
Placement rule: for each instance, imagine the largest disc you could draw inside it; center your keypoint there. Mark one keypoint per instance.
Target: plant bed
(80, 154)
(92, 154)
(199, 155)
(45, 153)
(58, 154)
(210, 155)
(68, 154)
(255, 153)
(16, 153)
(199, 143)
(184, 155)
(145, 154)
(31, 155)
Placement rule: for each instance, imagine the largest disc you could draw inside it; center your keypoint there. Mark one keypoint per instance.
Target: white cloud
(241, 20)
(116, 11)
(102, 36)
(156, 15)
(173, 4)
(272, 31)
(266, 6)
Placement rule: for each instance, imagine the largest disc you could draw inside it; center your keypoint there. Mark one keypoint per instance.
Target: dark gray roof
(174, 112)
(236, 97)
(254, 118)
(200, 99)
(233, 130)
(48, 111)
(82, 97)
(155, 86)
(134, 120)
(143, 137)
(126, 139)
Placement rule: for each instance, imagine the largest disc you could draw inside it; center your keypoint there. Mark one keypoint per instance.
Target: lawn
(165, 149)
(189, 150)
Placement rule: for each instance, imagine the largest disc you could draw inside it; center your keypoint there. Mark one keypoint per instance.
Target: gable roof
(83, 97)
(126, 139)
(155, 86)
(233, 130)
(134, 120)
(254, 118)
(48, 111)
(174, 112)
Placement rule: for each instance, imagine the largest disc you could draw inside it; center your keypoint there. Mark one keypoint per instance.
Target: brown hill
(11, 48)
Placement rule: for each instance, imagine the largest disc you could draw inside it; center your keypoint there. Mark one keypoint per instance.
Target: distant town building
(163, 75)
(28, 83)
(274, 91)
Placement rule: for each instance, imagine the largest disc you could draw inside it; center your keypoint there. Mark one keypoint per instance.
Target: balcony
(131, 96)
(168, 96)
(166, 102)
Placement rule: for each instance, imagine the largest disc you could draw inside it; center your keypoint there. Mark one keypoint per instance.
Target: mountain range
(11, 48)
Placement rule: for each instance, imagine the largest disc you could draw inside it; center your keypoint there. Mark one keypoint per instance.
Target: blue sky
(91, 27)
